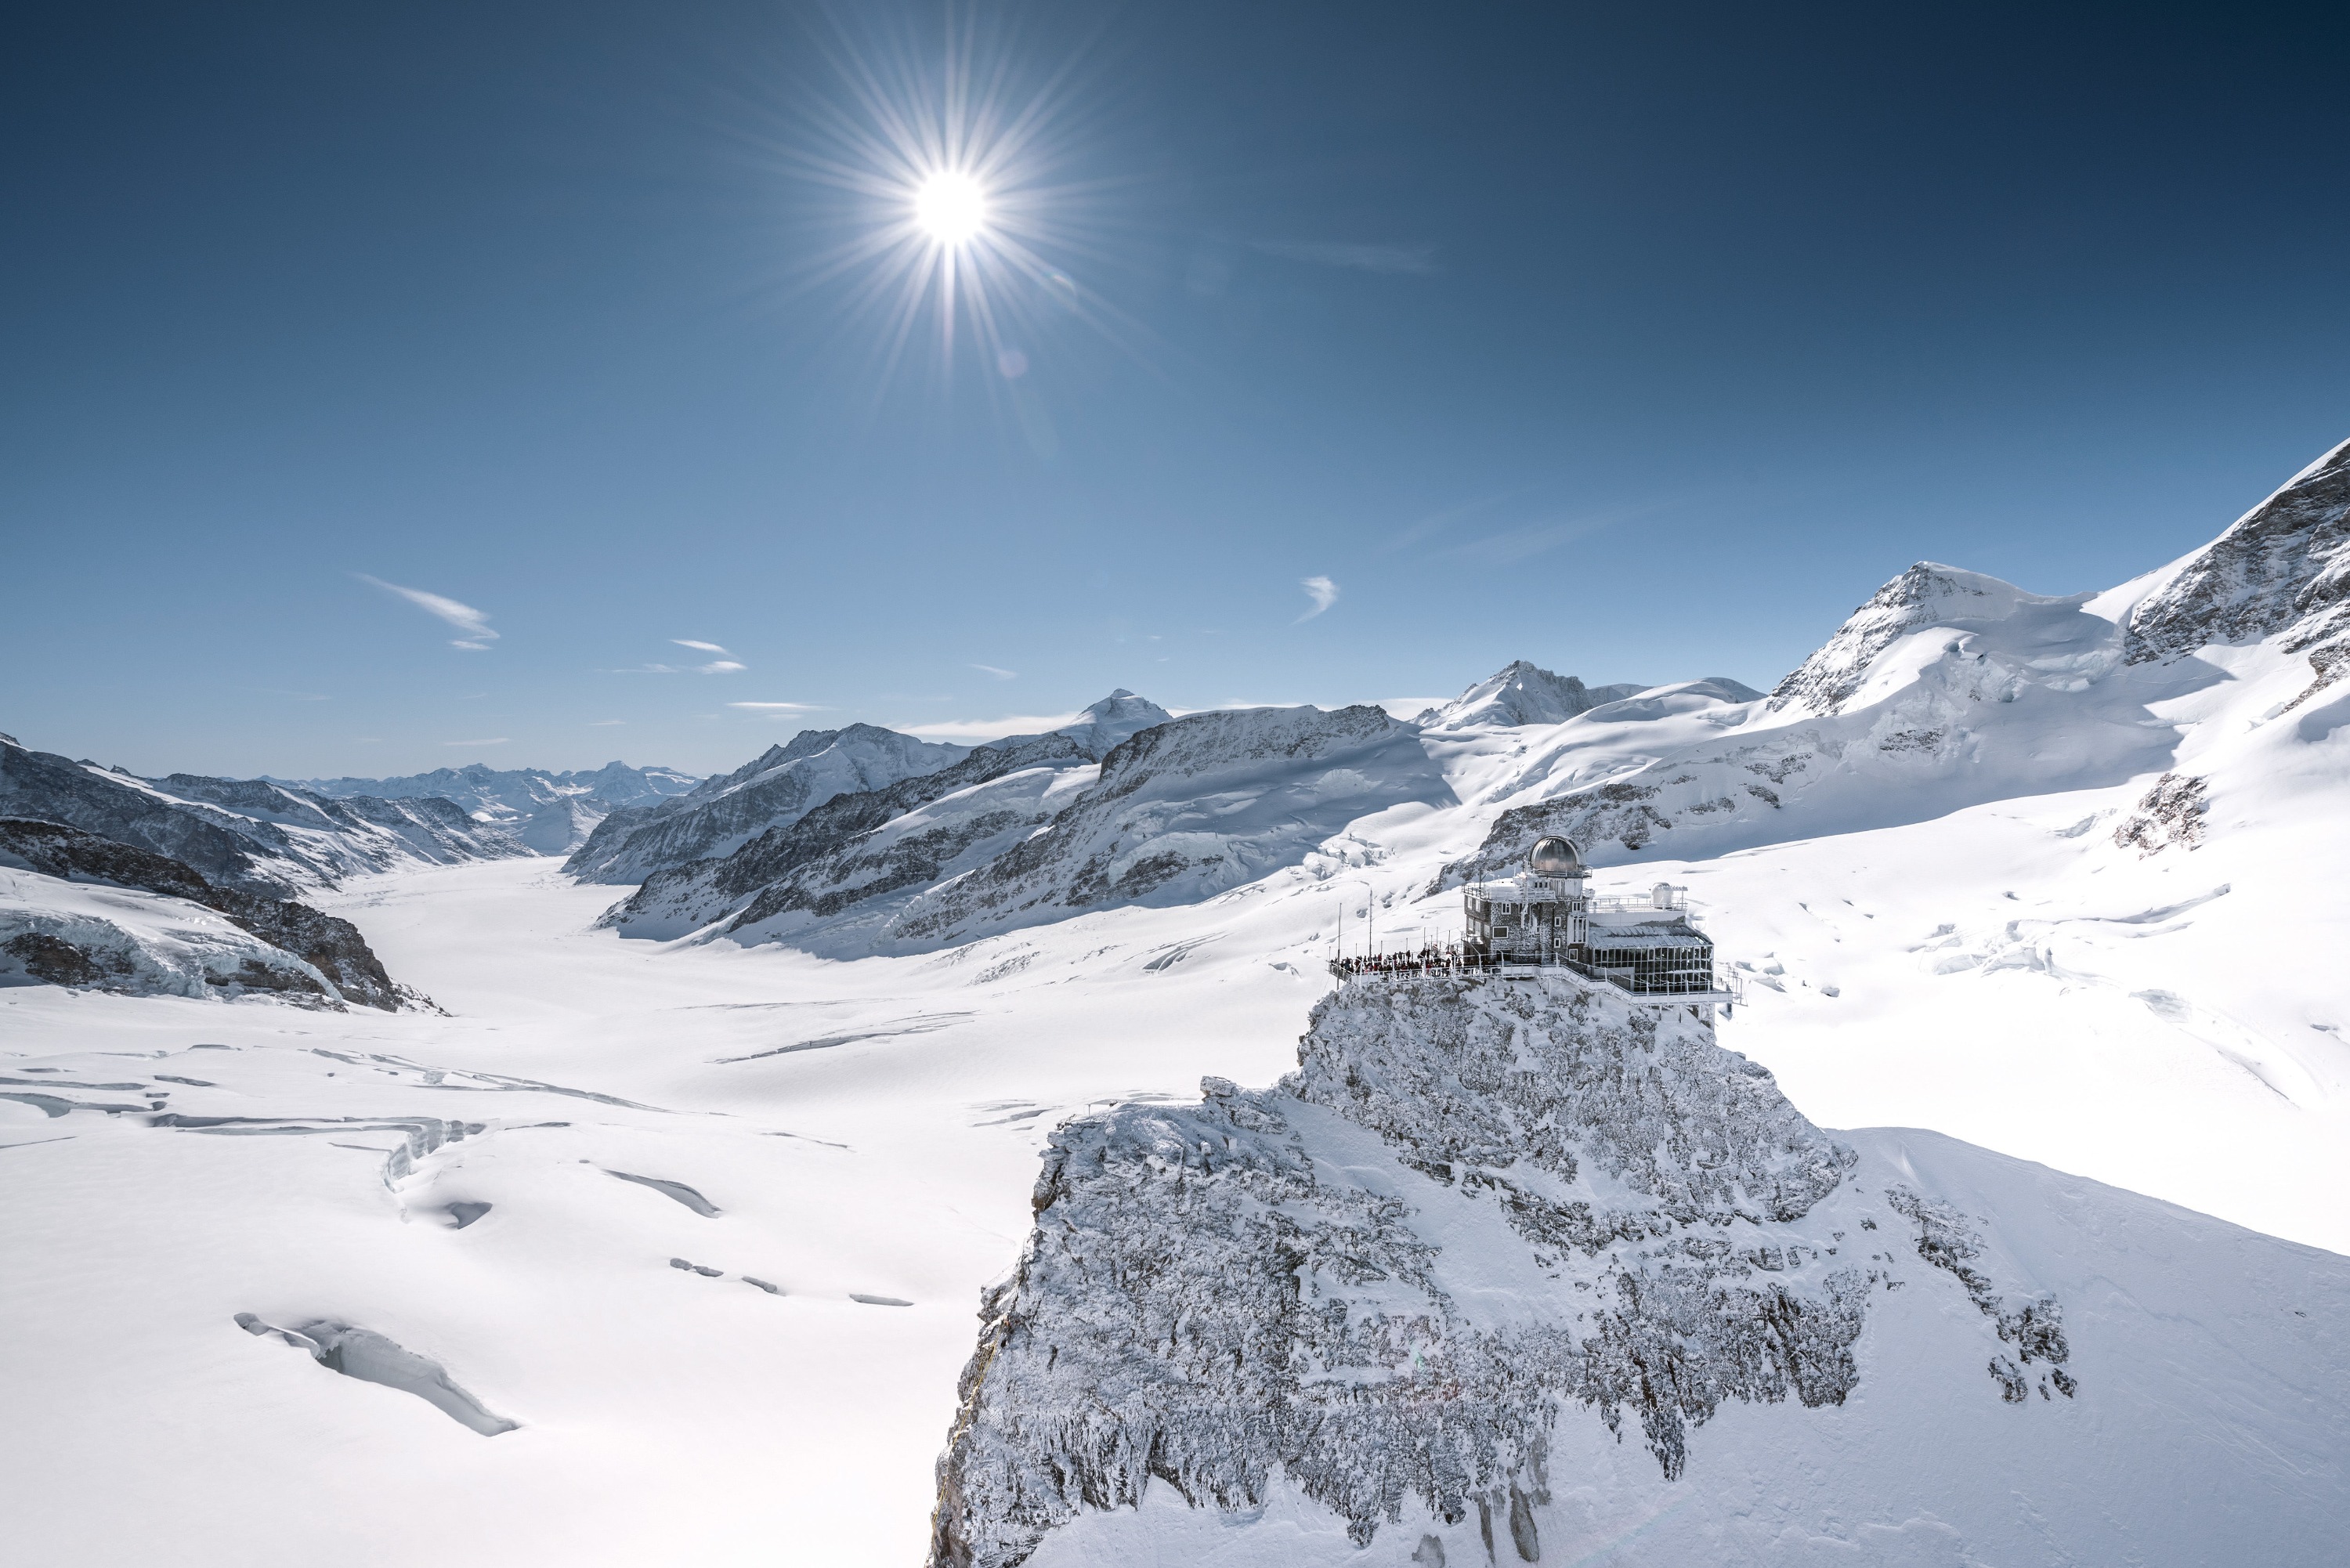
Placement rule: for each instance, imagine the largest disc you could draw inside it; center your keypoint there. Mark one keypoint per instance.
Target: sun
(950, 207)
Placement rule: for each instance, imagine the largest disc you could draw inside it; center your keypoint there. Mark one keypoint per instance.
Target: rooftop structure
(1545, 916)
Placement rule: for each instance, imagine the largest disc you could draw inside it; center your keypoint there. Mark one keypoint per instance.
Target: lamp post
(1370, 915)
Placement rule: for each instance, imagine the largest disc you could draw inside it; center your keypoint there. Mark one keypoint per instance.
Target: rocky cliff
(58, 950)
(1479, 1212)
(2283, 569)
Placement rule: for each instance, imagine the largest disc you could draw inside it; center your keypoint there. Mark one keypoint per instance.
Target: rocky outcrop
(2283, 569)
(331, 947)
(773, 790)
(1480, 1208)
(2172, 813)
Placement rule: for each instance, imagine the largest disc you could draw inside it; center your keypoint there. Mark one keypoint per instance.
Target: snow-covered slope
(548, 813)
(1099, 729)
(1520, 693)
(1188, 810)
(773, 790)
(244, 833)
(836, 878)
(1947, 689)
(2280, 573)
(1509, 1268)
(187, 960)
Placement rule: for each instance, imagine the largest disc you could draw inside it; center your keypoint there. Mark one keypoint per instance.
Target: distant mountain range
(547, 812)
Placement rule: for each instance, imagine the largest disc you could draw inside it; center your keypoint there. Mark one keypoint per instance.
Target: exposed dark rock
(239, 833)
(2172, 813)
(2282, 567)
(332, 946)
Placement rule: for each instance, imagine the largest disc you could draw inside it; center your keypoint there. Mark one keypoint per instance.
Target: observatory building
(1547, 916)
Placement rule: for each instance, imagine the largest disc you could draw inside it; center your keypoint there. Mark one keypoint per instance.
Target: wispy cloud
(493, 741)
(1439, 522)
(782, 709)
(474, 625)
(999, 674)
(991, 729)
(715, 667)
(601, 723)
(697, 647)
(1511, 546)
(1393, 260)
(1322, 591)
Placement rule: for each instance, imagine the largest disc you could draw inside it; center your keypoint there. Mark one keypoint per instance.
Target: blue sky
(1642, 342)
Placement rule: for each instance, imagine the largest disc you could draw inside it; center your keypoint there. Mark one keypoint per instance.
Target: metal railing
(1727, 985)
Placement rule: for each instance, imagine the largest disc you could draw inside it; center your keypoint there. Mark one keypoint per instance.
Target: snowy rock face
(90, 937)
(835, 878)
(250, 834)
(2281, 569)
(773, 790)
(1481, 1210)
(547, 812)
(1099, 729)
(1520, 693)
(1188, 810)
(308, 945)
(1945, 690)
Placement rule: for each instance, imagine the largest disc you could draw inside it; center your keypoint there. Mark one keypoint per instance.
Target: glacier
(2050, 875)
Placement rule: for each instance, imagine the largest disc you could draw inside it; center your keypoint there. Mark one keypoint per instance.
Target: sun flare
(950, 207)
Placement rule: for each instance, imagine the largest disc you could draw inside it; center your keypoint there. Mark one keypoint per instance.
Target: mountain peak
(1522, 692)
(1927, 593)
(1099, 729)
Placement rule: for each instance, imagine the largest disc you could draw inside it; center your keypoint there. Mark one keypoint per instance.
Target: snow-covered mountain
(773, 790)
(837, 873)
(1522, 693)
(1507, 1270)
(548, 813)
(247, 834)
(1188, 810)
(83, 911)
(1041, 827)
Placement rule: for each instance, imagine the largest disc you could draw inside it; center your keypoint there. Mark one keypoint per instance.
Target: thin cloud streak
(493, 741)
(1322, 591)
(991, 729)
(999, 674)
(698, 647)
(783, 709)
(1513, 545)
(475, 624)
